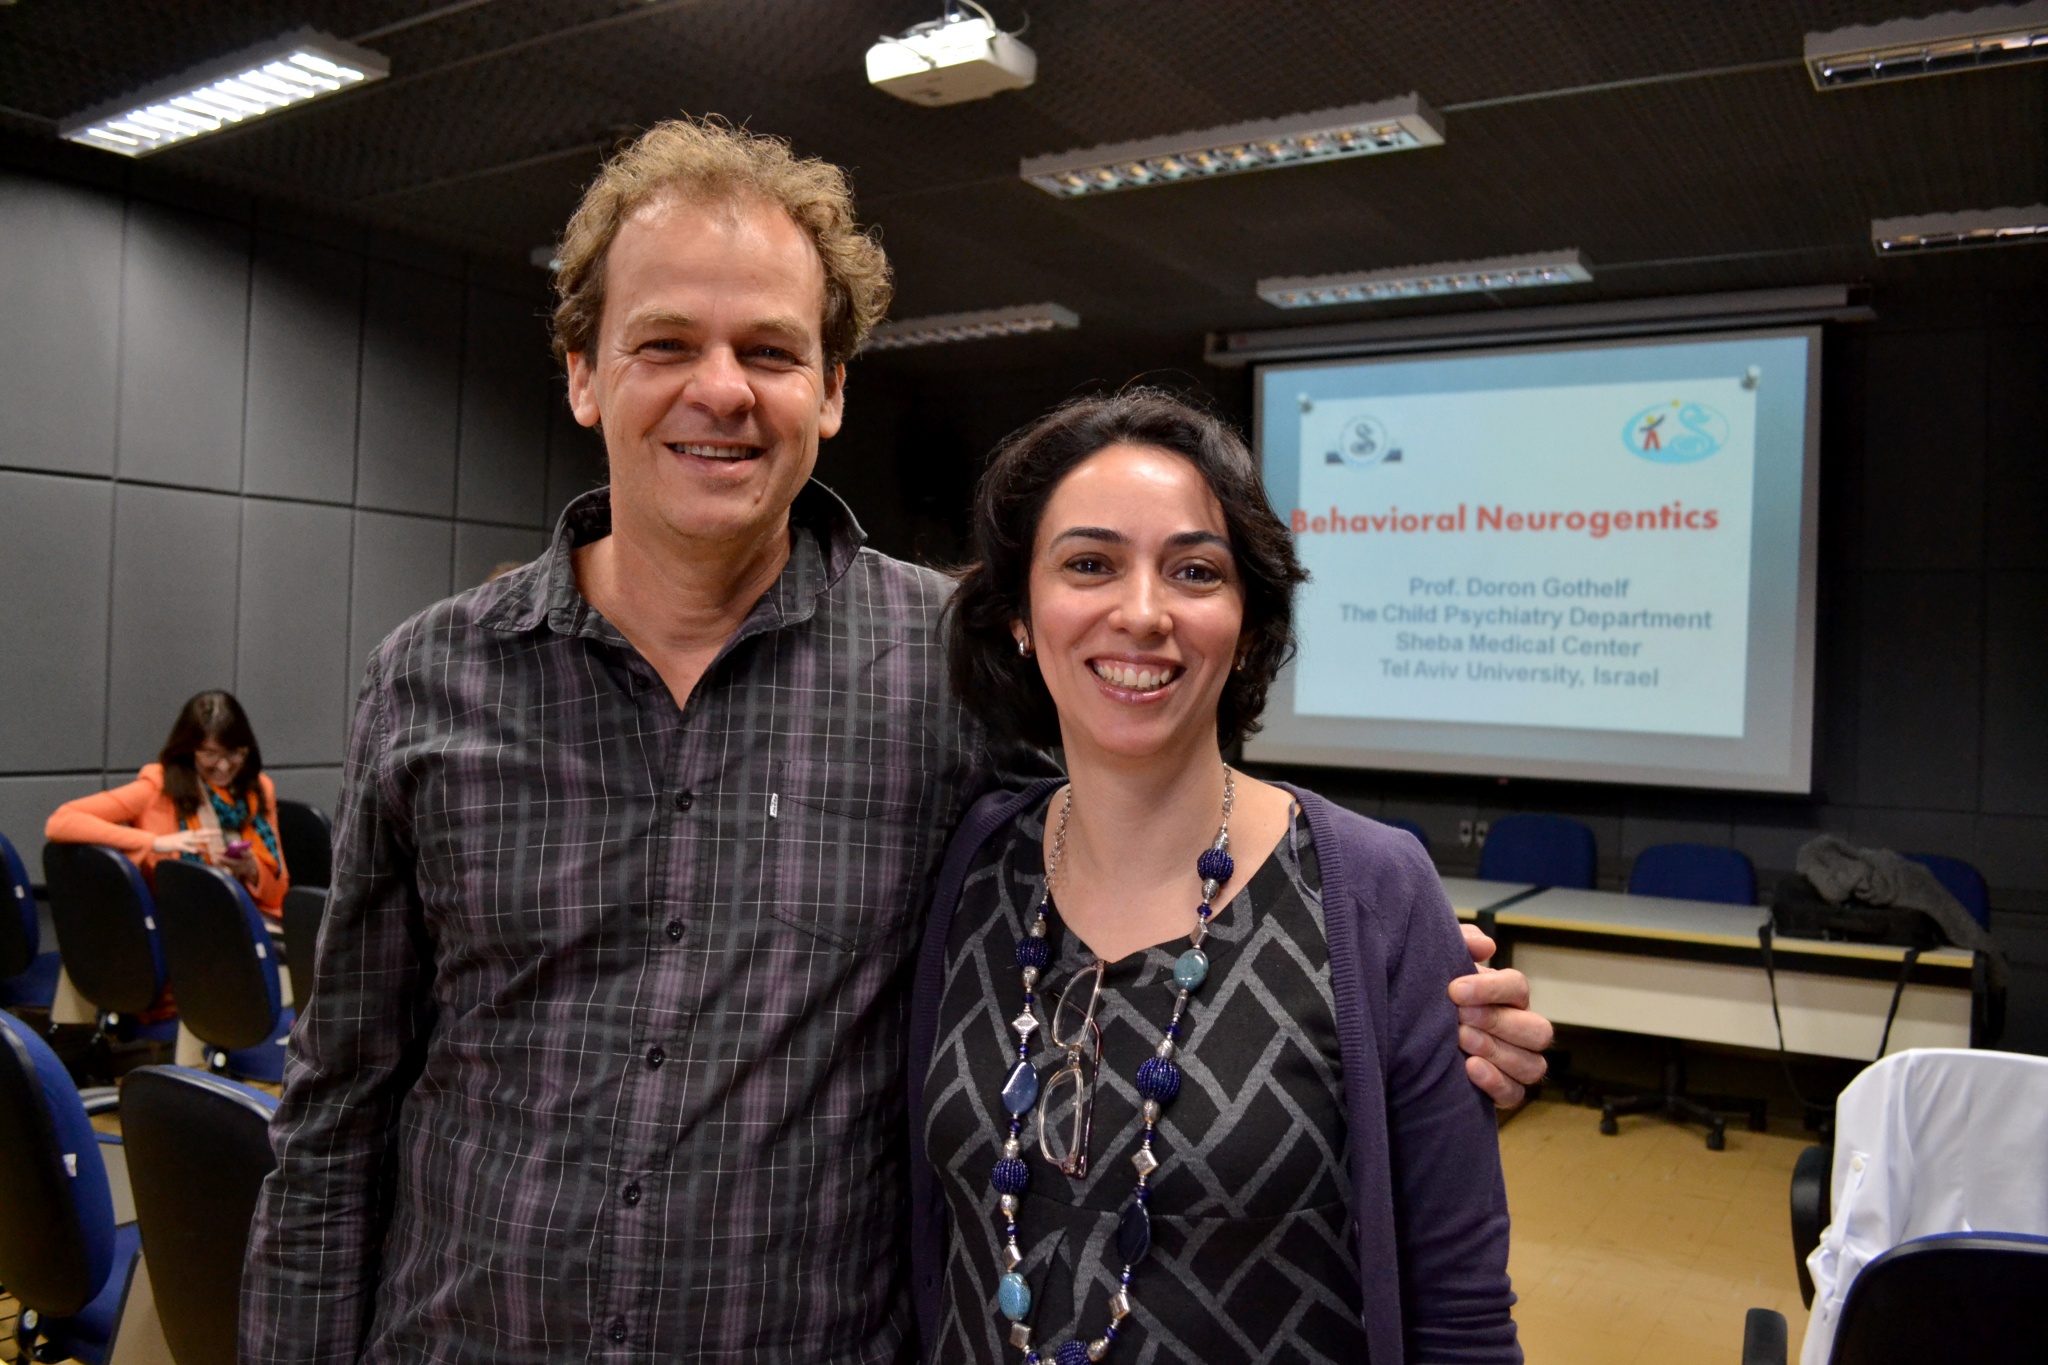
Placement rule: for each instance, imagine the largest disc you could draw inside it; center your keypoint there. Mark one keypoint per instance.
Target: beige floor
(1645, 1247)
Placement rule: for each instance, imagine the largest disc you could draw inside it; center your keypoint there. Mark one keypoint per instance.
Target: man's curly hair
(708, 159)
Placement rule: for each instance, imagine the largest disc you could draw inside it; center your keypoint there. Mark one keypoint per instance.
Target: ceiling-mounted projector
(952, 59)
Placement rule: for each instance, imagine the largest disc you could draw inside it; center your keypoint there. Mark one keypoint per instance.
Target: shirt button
(618, 1329)
(631, 1194)
(675, 931)
(685, 800)
(655, 1057)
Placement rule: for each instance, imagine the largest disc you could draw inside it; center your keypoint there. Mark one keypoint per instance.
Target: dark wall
(1932, 732)
(237, 446)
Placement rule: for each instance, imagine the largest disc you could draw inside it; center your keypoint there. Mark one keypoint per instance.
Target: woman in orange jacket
(205, 799)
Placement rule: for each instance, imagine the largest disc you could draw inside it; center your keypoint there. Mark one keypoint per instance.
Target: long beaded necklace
(1158, 1081)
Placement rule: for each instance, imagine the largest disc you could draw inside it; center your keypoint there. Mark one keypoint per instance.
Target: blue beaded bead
(1191, 969)
(1033, 952)
(1071, 1353)
(1013, 1296)
(1214, 865)
(1011, 1176)
(1158, 1079)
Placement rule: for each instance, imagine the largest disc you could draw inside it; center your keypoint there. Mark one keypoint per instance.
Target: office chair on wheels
(1932, 1216)
(1698, 872)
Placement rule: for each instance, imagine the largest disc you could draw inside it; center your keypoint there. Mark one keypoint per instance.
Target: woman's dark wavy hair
(217, 716)
(1003, 688)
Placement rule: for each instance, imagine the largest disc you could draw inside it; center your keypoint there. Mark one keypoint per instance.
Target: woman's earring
(1024, 648)
(1238, 667)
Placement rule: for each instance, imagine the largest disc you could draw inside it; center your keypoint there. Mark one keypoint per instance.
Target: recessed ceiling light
(1324, 135)
(940, 328)
(1428, 281)
(1948, 231)
(1967, 40)
(256, 81)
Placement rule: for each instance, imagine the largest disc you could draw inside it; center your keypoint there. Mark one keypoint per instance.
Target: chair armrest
(101, 1099)
(1763, 1337)
(1811, 1174)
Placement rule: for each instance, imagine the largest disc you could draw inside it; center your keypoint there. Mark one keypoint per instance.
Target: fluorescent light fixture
(1960, 40)
(1428, 281)
(260, 80)
(1948, 231)
(1324, 135)
(994, 322)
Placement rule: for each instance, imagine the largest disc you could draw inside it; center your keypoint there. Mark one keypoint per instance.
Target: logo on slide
(1676, 432)
(1363, 442)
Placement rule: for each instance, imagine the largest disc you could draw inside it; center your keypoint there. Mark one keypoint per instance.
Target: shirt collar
(825, 539)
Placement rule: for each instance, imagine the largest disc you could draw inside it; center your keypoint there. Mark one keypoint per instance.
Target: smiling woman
(1244, 988)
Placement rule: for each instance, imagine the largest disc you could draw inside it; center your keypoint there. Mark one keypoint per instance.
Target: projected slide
(1578, 561)
(1574, 556)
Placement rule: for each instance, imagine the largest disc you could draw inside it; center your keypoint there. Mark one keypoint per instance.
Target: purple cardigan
(1427, 1201)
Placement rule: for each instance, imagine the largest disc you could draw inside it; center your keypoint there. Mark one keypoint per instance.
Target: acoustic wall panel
(576, 460)
(401, 565)
(316, 786)
(1919, 690)
(184, 335)
(479, 549)
(26, 803)
(2017, 375)
(292, 665)
(412, 351)
(173, 629)
(305, 322)
(54, 539)
(1923, 466)
(60, 292)
(2016, 694)
(504, 442)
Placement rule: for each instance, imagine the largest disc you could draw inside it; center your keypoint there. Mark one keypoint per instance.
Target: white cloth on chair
(1928, 1140)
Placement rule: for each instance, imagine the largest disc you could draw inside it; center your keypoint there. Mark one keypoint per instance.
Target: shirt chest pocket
(842, 852)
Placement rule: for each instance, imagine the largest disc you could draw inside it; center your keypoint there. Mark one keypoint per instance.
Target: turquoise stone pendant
(1191, 969)
(1013, 1296)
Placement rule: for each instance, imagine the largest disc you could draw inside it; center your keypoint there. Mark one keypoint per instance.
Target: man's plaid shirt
(606, 1056)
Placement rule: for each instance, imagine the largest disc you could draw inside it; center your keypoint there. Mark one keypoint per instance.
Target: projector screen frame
(1797, 778)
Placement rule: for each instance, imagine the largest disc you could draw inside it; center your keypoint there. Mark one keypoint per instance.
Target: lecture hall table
(1693, 970)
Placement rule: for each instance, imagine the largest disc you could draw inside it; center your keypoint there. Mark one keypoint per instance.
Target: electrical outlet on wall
(1480, 829)
(1465, 833)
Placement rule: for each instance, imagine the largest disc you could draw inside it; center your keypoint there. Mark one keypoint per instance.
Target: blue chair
(1408, 827)
(1548, 850)
(1694, 872)
(107, 934)
(221, 957)
(1961, 880)
(61, 1254)
(198, 1152)
(28, 975)
(1951, 1296)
